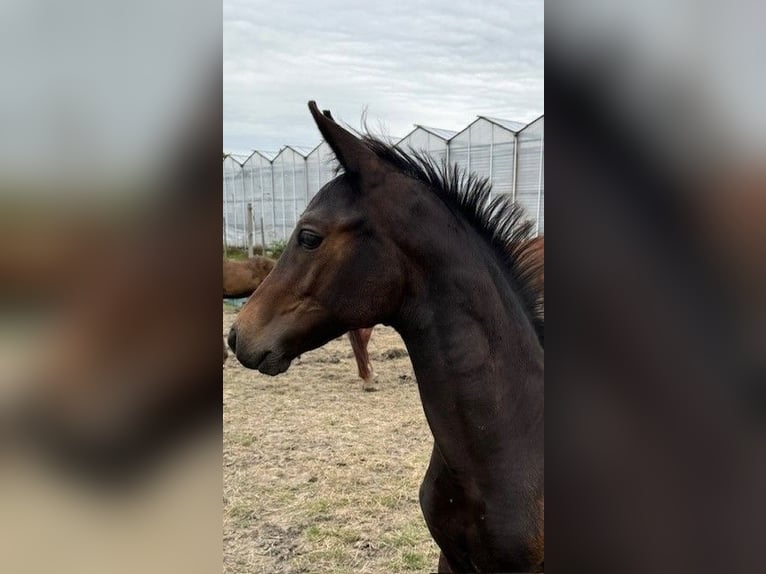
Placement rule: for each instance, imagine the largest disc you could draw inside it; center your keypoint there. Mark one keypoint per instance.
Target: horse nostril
(232, 339)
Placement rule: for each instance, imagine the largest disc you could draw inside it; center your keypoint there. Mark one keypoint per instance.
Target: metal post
(263, 238)
(252, 201)
(236, 209)
(249, 228)
(244, 204)
(263, 193)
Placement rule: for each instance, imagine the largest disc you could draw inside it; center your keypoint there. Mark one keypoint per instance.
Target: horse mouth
(267, 362)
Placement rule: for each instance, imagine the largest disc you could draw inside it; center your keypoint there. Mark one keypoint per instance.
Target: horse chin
(274, 364)
(267, 362)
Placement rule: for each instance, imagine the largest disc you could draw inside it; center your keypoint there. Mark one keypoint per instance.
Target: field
(320, 476)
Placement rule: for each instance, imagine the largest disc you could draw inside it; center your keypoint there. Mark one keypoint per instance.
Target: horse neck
(477, 359)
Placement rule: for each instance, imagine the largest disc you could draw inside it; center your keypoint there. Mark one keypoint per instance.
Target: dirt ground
(320, 476)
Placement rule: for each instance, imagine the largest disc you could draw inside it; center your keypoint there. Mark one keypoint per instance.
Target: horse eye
(309, 240)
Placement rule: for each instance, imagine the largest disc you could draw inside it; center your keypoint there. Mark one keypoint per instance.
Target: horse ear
(355, 157)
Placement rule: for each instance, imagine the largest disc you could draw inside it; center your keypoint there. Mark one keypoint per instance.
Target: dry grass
(320, 476)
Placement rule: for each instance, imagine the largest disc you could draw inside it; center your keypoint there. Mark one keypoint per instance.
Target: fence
(264, 197)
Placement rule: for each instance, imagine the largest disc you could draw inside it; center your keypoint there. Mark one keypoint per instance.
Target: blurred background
(657, 286)
(110, 202)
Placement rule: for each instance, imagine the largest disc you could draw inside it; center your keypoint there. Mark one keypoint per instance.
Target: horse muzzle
(266, 361)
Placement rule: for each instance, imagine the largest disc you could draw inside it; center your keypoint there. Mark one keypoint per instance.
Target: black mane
(500, 222)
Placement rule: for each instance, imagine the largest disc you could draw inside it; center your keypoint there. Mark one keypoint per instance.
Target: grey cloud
(421, 61)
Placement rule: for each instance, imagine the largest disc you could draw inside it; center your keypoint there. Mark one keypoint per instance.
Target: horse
(242, 278)
(450, 267)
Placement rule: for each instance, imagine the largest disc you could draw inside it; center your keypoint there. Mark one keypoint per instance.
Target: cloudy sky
(432, 62)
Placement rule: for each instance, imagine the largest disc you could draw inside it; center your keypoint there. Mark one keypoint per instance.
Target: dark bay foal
(396, 239)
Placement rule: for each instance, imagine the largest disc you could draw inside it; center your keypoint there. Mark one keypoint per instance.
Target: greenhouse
(265, 196)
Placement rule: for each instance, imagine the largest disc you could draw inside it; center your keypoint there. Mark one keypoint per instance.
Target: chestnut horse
(242, 278)
(399, 240)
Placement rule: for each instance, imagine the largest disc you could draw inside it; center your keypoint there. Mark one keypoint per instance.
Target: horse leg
(359, 340)
(365, 335)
